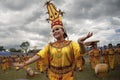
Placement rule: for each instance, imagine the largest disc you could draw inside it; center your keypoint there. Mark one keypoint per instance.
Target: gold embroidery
(60, 44)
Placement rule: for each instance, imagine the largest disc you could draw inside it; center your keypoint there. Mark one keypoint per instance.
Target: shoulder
(60, 44)
(73, 42)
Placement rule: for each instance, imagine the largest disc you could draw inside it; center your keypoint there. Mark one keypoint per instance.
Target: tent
(89, 43)
(5, 53)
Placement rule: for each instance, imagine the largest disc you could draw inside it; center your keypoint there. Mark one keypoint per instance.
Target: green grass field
(86, 74)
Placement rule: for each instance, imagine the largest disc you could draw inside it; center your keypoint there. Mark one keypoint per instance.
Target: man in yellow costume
(105, 54)
(95, 52)
(61, 54)
(118, 52)
(111, 56)
(3, 65)
(81, 60)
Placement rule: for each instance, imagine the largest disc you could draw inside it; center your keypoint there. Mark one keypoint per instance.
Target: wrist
(24, 63)
(87, 36)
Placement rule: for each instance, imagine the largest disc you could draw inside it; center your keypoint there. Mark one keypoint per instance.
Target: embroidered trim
(61, 70)
(60, 44)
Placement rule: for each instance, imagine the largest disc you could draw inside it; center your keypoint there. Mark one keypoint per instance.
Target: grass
(86, 74)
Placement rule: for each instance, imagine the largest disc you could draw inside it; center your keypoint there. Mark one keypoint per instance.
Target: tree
(12, 50)
(2, 48)
(25, 46)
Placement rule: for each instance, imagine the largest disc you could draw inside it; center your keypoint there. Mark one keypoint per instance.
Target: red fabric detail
(56, 22)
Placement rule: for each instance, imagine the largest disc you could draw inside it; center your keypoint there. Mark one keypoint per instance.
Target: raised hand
(89, 34)
(82, 39)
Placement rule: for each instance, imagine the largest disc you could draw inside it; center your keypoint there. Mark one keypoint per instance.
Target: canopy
(89, 43)
(5, 54)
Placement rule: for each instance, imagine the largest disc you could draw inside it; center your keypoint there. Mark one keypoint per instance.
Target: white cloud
(25, 21)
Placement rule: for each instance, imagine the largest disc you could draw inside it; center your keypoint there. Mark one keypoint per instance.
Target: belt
(61, 70)
(105, 54)
(110, 54)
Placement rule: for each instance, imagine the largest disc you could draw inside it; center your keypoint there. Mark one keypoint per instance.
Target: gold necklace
(59, 54)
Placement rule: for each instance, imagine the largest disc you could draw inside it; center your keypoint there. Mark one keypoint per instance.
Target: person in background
(3, 65)
(105, 54)
(81, 60)
(95, 53)
(61, 54)
(118, 53)
(111, 56)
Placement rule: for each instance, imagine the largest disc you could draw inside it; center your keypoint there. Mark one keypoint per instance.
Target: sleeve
(43, 53)
(82, 49)
(90, 52)
(76, 50)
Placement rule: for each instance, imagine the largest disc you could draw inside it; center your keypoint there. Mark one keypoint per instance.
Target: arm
(82, 39)
(41, 54)
(29, 61)
(81, 42)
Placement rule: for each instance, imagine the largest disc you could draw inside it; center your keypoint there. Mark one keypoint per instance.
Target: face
(110, 45)
(94, 45)
(57, 32)
(105, 47)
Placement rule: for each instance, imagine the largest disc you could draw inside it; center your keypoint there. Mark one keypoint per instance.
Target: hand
(19, 65)
(89, 34)
(82, 39)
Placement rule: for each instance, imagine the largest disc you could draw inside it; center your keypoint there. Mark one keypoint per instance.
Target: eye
(50, 16)
(55, 13)
(57, 29)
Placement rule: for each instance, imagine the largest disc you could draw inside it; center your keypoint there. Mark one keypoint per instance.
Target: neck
(60, 40)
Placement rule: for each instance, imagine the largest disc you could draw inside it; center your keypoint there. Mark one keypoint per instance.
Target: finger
(17, 68)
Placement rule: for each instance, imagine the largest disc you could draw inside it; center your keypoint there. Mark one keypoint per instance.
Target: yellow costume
(91, 56)
(62, 55)
(105, 56)
(80, 60)
(3, 65)
(118, 53)
(61, 59)
(95, 57)
(37, 65)
(111, 58)
(40, 65)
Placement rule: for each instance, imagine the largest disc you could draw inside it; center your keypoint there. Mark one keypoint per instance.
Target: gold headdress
(55, 16)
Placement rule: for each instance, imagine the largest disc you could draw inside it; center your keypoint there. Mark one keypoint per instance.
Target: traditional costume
(111, 56)
(94, 54)
(62, 55)
(105, 55)
(118, 53)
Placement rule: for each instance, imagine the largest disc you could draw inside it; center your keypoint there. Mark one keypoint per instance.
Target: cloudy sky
(25, 20)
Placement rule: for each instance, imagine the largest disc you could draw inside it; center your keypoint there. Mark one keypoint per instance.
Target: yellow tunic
(61, 59)
(105, 56)
(3, 65)
(118, 53)
(80, 61)
(111, 58)
(95, 57)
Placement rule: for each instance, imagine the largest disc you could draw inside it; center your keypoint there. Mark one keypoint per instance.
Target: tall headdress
(55, 16)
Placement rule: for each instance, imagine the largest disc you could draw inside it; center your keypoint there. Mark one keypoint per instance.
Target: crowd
(63, 56)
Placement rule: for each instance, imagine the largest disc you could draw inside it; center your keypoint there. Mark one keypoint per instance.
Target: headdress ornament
(55, 16)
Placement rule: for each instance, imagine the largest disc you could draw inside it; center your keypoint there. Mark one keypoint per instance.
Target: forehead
(57, 26)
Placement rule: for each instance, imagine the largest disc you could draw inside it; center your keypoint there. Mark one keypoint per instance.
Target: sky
(25, 20)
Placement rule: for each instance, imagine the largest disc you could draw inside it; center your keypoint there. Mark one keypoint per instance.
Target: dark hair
(65, 34)
(93, 44)
(109, 44)
(118, 44)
